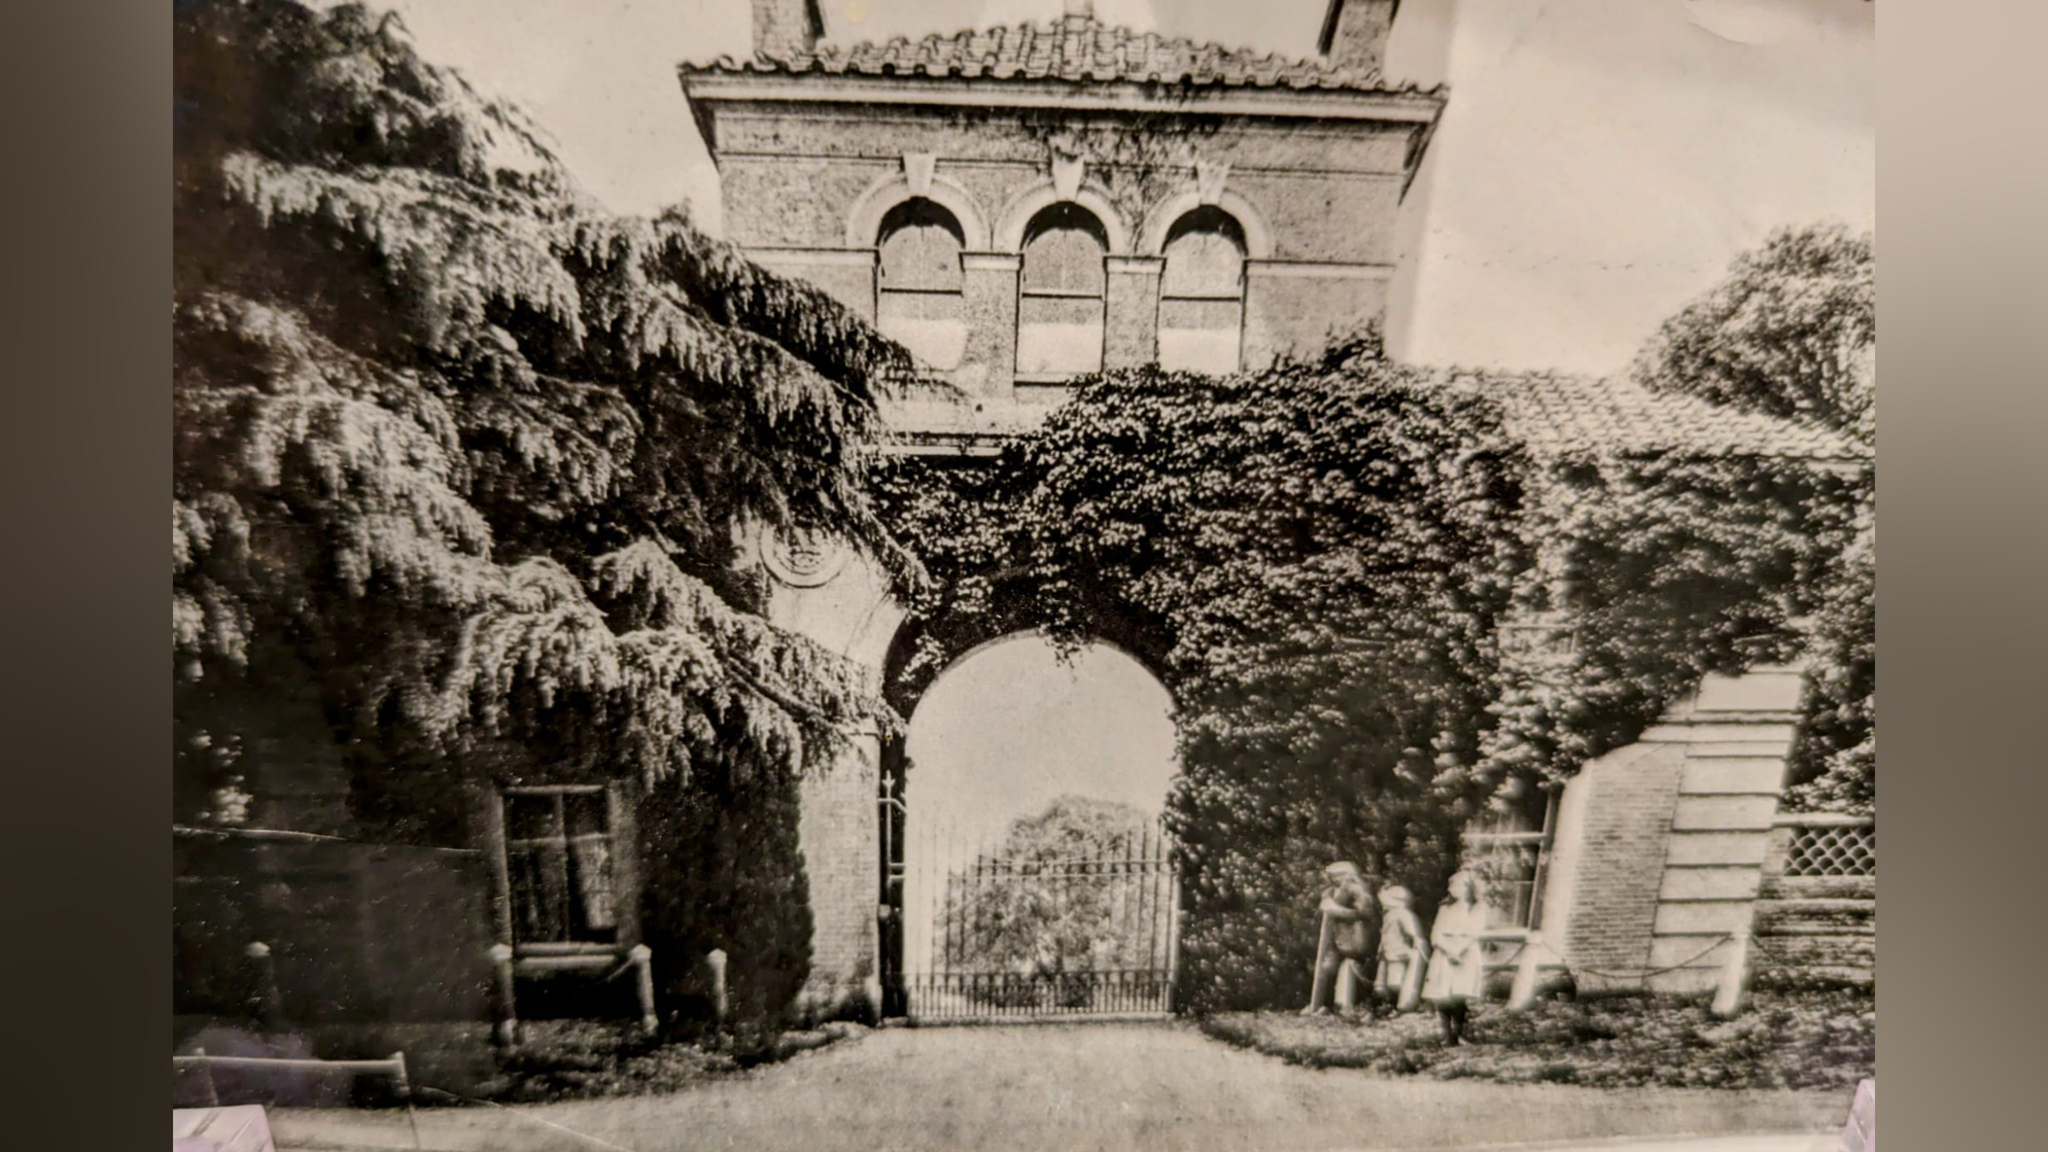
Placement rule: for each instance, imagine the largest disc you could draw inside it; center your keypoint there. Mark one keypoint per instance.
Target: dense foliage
(1791, 331)
(1315, 559)
(461, 459)
(1319, 560)
(1665, 569)
(723, 870)
(1834, 767)
(1027, 915)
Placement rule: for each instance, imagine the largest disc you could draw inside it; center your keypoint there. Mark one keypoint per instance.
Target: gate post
(508, 1005)
(1523, 994)
(716, 960)
(642, 959)
(1173, 943)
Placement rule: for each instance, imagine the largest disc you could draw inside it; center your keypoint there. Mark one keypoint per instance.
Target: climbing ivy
(1792, 330)
(1314, 559)
(1319, 560)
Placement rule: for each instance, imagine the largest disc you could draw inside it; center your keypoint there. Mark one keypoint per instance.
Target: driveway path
(1129, 1088)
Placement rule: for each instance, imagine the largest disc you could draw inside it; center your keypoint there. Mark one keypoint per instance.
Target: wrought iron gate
(982, 931)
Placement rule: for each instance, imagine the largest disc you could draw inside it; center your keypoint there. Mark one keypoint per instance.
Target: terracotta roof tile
(1559, 415)
(1075, 52)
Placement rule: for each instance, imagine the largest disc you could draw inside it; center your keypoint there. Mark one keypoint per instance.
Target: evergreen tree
(1028, 912)
(463, 461)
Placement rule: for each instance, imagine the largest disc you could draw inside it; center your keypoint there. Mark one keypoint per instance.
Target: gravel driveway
(1141, 1087)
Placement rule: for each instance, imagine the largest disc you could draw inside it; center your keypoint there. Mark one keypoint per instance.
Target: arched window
(1201, 293)
(917, 299)
(1059, 304)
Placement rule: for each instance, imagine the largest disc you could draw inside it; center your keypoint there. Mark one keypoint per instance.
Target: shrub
(724, 871)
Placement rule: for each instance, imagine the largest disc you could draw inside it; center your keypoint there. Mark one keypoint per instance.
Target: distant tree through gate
(1029, 873)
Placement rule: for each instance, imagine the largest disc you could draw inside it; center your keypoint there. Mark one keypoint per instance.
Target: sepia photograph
(1024, 575)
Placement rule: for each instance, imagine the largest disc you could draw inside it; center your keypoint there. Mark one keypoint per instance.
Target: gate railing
(1012, 931)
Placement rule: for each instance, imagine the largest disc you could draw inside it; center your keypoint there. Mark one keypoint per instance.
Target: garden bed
(1807, 1039)
(584, 1060)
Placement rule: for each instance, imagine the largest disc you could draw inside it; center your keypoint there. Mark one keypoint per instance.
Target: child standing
(1347, 908)
(1402, 951)
(1457, 959)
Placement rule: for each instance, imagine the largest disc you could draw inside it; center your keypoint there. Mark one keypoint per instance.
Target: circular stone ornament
(803, 558)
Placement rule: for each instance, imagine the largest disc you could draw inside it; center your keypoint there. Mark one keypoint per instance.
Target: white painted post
(1523, 994)
(716, 959)
(642, 957)
(270, 1000)
(1729, 997)
(508, 1009)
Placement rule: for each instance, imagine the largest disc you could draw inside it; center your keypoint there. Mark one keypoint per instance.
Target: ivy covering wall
(1318, 561)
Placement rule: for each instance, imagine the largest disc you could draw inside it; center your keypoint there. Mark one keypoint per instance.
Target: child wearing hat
(1347, 908)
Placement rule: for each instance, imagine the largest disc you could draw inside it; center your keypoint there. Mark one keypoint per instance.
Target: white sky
(1600, 163)
(1009, 728)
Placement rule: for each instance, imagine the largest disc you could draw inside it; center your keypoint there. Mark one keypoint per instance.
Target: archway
(1029, 871)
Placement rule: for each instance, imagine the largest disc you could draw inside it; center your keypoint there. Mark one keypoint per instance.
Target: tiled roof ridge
(1039, 50)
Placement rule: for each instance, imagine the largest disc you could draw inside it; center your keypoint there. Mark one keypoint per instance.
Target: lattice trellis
(1840, 851)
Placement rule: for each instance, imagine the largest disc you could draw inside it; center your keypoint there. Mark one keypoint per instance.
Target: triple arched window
(918, 300)
(1062, 286)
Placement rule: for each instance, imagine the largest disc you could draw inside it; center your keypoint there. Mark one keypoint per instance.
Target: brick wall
(842, 859)
(1661, 845)
(1626, 825)
(1287, 311)
(1321, 193)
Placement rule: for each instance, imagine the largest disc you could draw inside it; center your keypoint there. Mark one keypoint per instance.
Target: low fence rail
(391, 1067)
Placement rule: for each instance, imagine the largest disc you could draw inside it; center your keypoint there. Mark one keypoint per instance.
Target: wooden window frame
(625, 930)
(1543, 841)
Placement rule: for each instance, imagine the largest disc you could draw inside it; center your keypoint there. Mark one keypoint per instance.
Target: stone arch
(1103, 618)
(899, 933)
(864, 218)
(1092, 197)
(1258, 236)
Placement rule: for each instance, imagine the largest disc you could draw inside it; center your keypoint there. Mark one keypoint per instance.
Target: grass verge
(584, 1059)
(1824, 1039)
